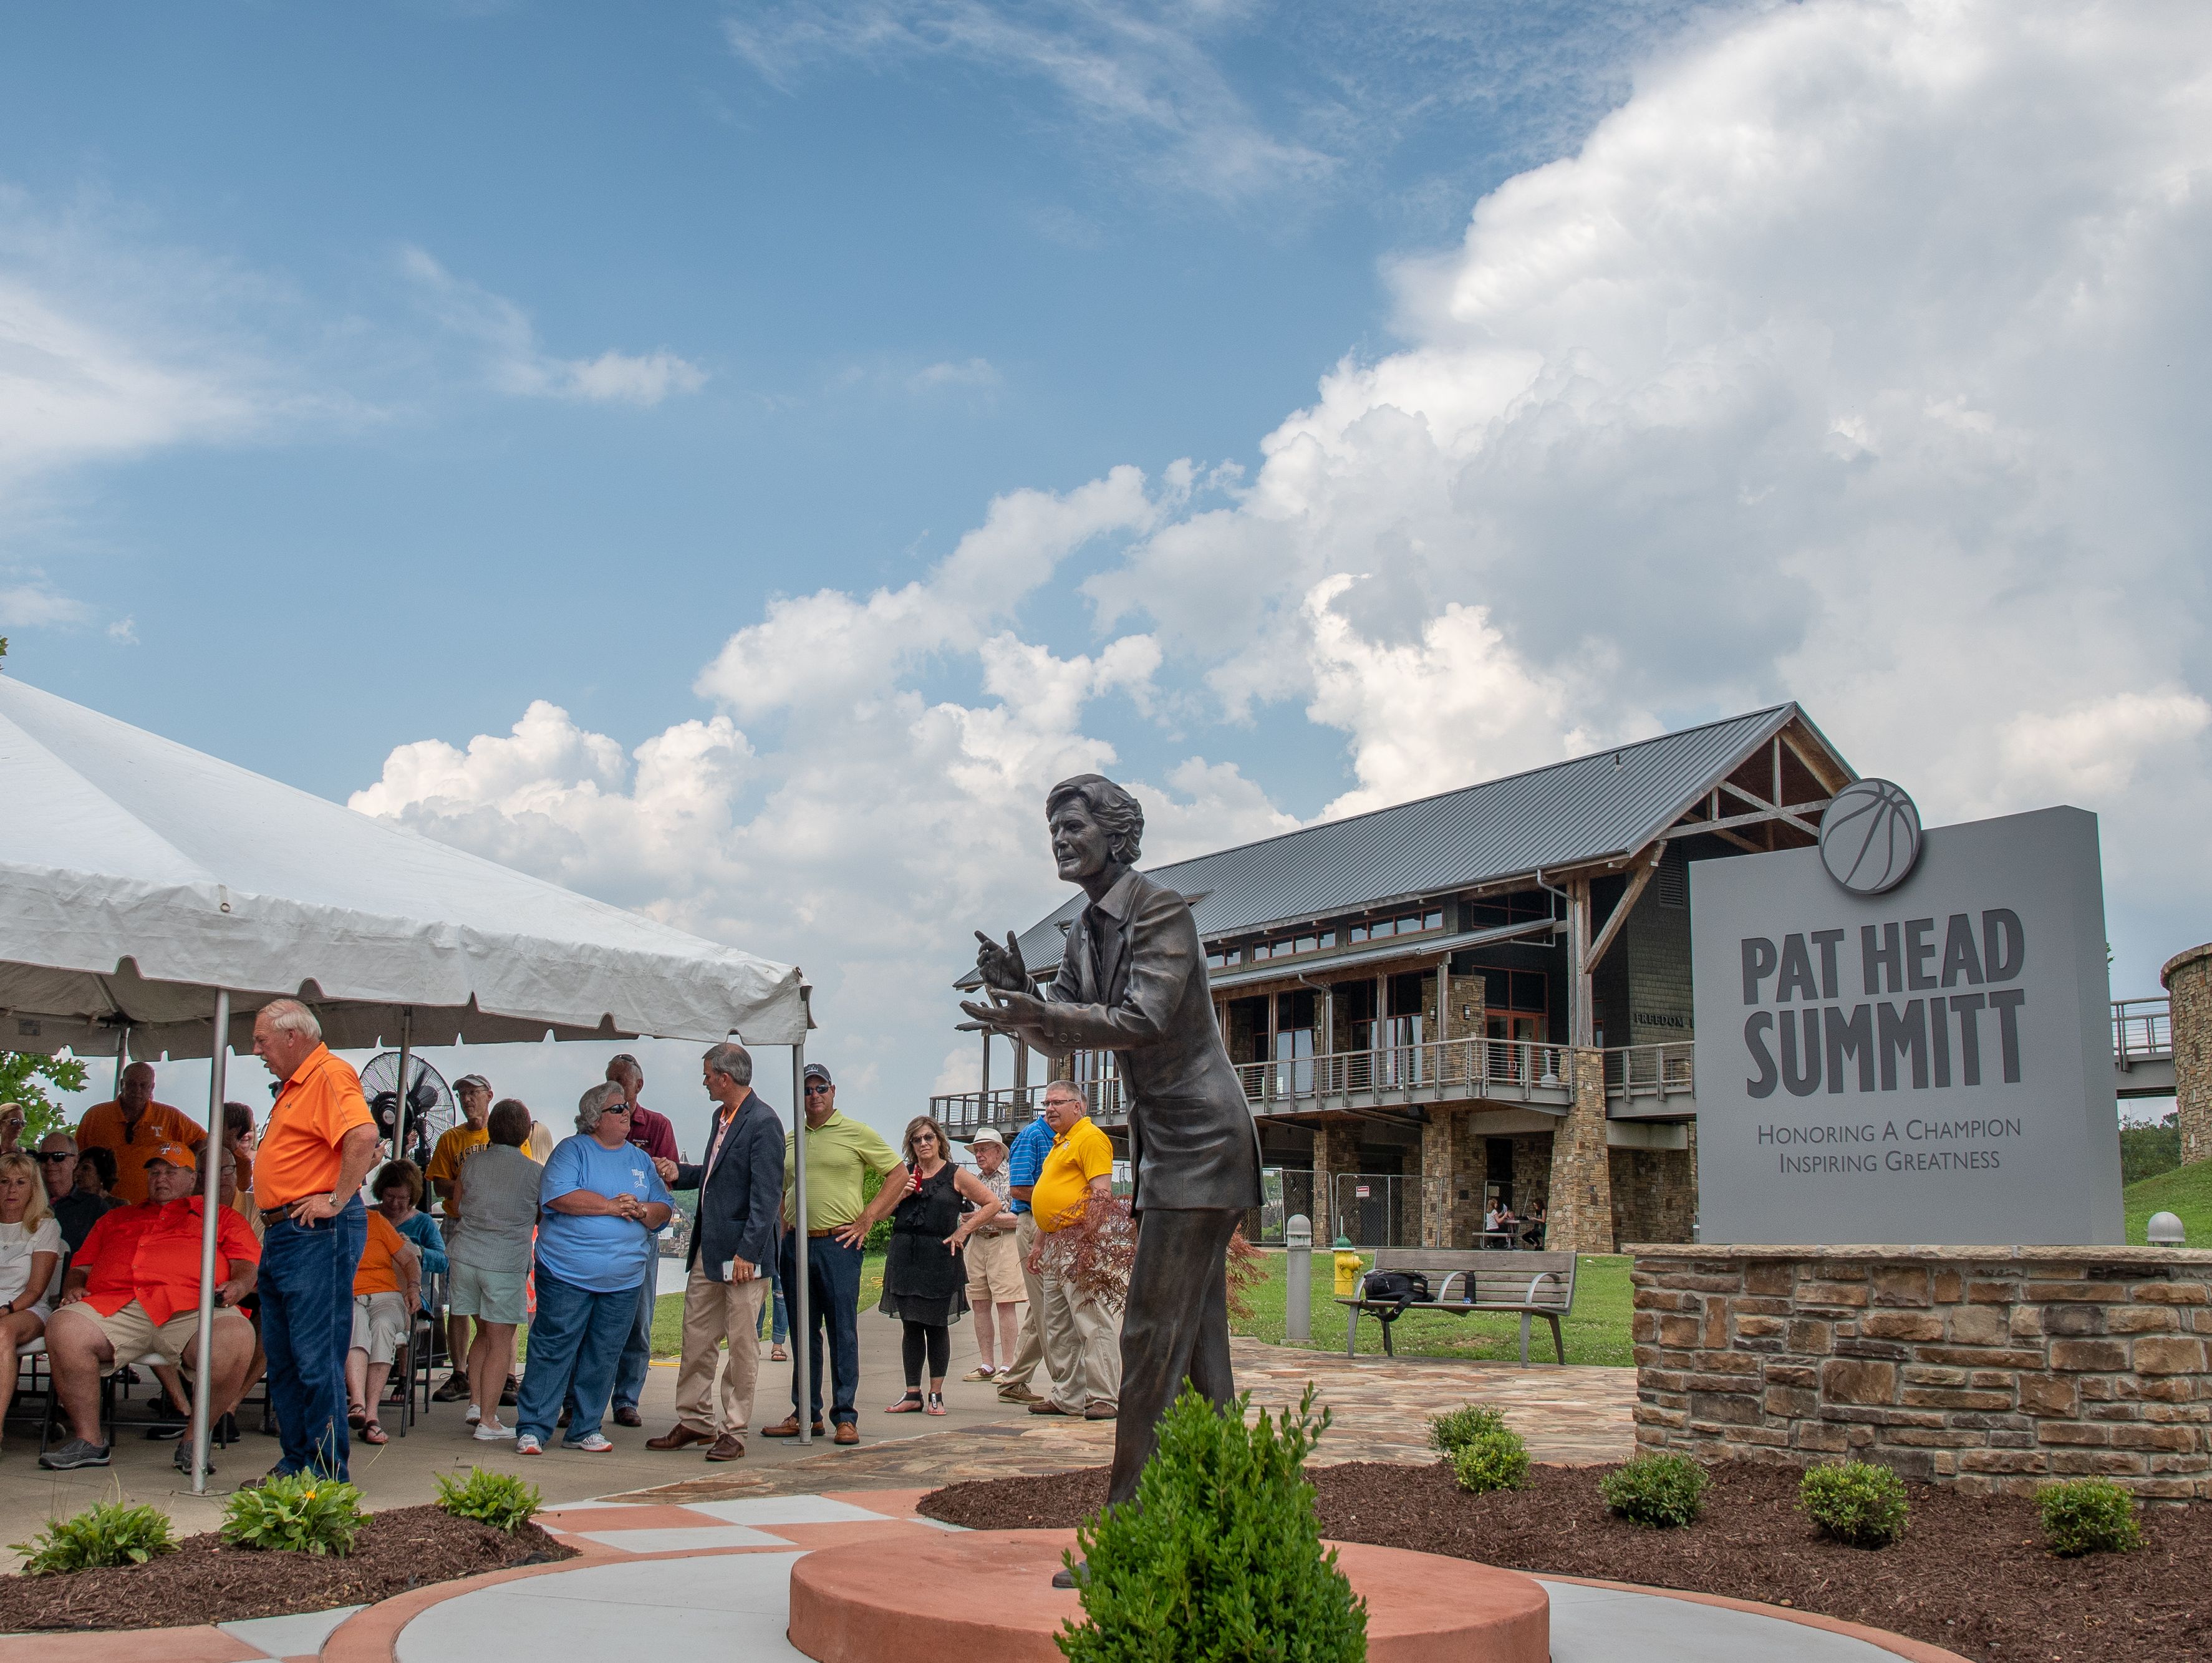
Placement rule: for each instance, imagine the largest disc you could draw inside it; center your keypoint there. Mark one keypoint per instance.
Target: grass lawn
(2186, 1192)
(1595, 1331)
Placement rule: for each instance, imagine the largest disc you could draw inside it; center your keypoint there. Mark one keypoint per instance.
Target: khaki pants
(713, 1312)
(1031, 1352)
(1082, 1347)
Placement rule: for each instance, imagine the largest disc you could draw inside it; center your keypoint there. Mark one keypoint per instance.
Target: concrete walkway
(741, 1596)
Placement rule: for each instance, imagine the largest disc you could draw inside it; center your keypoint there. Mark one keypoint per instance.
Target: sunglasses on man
(817, 1089)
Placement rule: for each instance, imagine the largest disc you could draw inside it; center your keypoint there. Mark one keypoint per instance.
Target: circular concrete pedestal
(986, 1596)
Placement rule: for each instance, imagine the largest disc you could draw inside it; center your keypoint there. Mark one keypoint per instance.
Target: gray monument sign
(1927, 1063)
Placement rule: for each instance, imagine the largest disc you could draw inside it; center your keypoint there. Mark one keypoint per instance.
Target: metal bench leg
(1558, 1344)
(1389, 1349)
(1351, 1330)
(1524, 1339)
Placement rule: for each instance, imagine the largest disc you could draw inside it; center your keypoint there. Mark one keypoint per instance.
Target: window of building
(1521, 908)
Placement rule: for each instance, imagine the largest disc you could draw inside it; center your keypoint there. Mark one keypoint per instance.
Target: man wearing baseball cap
(839, 1154)
(455, 1144)
(133, 1289)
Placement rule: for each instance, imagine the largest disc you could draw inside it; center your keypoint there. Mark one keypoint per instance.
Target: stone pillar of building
(1437, 1177)
(2187, 979)
(1336, 1149)
(1581, 1175)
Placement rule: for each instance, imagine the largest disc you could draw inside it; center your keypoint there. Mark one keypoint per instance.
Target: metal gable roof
(1567, 814)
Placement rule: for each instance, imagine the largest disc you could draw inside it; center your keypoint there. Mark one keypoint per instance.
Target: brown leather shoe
(727, 1448)
(677, 1436)
(1017, 1394)
(1046, 1406)
(627, 1416)
(848, 1433)
(1098, 1411)
(787, 1428)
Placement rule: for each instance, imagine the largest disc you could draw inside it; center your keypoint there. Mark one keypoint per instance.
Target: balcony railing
(1652, 1070)
(2142, 1031)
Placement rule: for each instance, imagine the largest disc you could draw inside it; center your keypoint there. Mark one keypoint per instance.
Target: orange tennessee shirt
(298, 1154)
(151, 1253)
(379, 1274)
(103, 1128)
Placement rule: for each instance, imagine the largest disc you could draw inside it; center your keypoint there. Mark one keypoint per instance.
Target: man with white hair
(308, 1175)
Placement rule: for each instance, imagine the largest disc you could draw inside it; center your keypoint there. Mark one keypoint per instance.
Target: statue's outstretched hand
(1013, 1013)
(1001, 967)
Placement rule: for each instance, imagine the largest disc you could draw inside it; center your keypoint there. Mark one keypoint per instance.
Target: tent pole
(406, 1097)
(211, 1192)
(802, 1325)
(122, 1057)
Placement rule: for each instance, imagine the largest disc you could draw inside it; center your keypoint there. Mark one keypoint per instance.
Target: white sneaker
(526, 1444)
(492, 1432)
(474, 1416)
(596, 1444)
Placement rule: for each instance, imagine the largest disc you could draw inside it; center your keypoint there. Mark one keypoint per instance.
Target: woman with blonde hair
(925, 1280)
(30, 1253)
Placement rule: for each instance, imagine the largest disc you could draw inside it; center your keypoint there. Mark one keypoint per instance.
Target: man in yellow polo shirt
(132, 1126)
(1082, 1339)
(839, 1154)
(455, 1144)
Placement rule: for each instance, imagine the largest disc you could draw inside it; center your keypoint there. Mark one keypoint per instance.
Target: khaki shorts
(994, 1269)
(380, 1324)
(135, 1335)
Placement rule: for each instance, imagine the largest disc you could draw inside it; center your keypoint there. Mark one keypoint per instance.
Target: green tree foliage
(25, 1078)
(2147, 1151)
(1218, 1559)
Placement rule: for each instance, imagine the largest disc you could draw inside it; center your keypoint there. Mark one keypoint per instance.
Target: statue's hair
(1120, 814)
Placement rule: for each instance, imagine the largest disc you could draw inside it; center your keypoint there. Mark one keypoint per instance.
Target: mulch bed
(1970, 1575)
(205, 1582)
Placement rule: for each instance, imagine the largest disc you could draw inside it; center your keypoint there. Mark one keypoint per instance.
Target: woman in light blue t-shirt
(602, 1204)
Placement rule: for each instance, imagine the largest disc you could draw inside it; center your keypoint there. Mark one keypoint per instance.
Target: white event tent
(150, 889)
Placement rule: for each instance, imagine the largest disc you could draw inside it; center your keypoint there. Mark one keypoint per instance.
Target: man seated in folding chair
(133, 1291)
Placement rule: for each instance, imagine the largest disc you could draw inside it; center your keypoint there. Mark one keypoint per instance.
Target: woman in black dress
(925, 1283)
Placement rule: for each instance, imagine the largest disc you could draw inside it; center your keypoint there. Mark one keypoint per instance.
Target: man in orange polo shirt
(133, 1289)
(132, 1125)
(307, 1173)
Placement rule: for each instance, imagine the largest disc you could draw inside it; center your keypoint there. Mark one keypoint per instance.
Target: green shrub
(498, 1499)
(2088, 1515)
(1453, 1430)
(300, 1513)
(1218, 1559)
(108, 1534)
(1857, 1502)
(1656, 1489)
(1495, 1460)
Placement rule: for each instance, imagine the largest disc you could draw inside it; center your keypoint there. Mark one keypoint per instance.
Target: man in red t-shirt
(656, 1135)
(133, 1291)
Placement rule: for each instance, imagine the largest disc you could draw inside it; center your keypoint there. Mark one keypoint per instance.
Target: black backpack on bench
(1401, 1287)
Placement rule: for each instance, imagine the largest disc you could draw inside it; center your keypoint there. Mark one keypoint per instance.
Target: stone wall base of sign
(1994, 1368)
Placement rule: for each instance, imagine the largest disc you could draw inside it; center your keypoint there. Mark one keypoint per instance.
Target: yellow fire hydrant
(1347, 1268)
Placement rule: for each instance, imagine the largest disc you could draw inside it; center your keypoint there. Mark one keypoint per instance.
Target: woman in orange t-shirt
(387, 1290)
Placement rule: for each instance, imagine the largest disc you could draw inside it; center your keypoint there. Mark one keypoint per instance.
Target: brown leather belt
(816, 1236)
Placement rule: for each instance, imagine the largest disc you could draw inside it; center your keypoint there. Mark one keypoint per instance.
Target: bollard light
(2164, 1230)
(1298, 1279)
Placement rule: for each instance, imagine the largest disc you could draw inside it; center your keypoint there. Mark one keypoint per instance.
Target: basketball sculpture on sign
(1870, 837)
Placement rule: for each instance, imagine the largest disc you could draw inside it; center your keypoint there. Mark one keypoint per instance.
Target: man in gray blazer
(1133, 981)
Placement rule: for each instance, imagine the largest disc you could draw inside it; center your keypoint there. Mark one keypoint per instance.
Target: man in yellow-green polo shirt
(840, 1153)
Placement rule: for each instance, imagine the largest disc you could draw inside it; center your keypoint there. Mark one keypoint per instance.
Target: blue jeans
(833, 1297)
(782, 1314)
(575, 1341)
(306, 1323)
(637, 1349)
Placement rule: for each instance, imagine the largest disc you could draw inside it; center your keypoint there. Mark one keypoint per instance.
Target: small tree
(24, 1078)
(1218, 1559)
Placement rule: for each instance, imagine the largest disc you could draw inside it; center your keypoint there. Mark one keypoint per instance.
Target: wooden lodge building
(1481, 993)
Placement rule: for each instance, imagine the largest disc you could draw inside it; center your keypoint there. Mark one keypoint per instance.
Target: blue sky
(730, 460)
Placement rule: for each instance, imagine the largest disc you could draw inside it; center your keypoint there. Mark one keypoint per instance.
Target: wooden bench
(1533, 1285)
